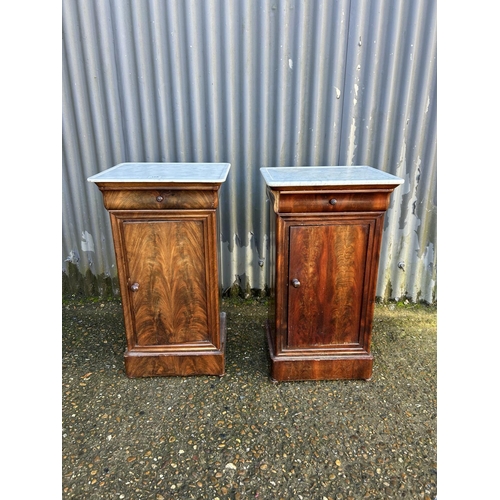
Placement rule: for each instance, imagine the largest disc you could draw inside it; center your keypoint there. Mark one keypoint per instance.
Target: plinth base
(321, 367)
(178, 363)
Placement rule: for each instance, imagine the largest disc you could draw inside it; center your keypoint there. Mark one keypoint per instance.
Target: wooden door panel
(166, 258)
(329, 261)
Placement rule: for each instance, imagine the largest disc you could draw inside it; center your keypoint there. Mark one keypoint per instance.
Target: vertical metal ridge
(263, 83)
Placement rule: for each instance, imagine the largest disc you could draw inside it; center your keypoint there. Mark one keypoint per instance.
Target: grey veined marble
(164, 172)
(327, 176)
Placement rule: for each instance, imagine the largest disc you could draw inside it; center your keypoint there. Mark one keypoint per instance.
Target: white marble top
(164, 172)
(327, 176)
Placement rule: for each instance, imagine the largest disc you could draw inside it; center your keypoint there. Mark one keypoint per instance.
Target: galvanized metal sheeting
(260, 83)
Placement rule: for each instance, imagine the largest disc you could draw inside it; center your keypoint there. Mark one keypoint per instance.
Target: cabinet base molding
(345, 367)
(178, 363)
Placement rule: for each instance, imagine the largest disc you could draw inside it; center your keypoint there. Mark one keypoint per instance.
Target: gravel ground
(241, 436)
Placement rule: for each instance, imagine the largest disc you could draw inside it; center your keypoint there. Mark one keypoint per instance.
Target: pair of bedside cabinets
(326, 227)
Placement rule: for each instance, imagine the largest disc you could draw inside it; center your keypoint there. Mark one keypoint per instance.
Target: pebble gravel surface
(241, 436)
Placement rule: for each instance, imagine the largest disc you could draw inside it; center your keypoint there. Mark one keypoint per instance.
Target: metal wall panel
(253, 83)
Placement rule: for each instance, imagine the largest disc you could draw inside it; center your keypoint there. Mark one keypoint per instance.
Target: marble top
(164, 172)
(327, 176)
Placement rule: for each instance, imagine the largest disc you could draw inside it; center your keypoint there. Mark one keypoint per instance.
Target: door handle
(134, 287)
(295, 283)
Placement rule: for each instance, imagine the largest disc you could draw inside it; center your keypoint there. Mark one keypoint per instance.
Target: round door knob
(295, 283)
(134, 287)
(159, 198)
(333, 201)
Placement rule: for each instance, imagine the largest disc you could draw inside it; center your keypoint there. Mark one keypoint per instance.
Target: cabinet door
(168, 274)
(327, 268)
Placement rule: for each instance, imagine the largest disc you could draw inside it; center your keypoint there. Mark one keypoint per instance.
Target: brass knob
(295, 283)
(134, 287)
(333, 201)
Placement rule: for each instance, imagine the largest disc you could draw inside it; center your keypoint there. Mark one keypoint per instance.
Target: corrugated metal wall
(253, 83)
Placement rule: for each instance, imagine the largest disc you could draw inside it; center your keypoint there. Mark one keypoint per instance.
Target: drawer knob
(295, 283)
(134, 287)
(333, 201)
(159, 198)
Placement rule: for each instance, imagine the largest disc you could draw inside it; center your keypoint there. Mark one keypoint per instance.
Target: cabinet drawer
(159, 199)
(332, 201)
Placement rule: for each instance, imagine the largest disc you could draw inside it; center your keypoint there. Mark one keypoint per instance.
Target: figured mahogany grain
(332, 201)
(328, 240)
(329, 261)
(161, 198)
(167, 259)
(163, 363)
(179, 364)
(168, 279)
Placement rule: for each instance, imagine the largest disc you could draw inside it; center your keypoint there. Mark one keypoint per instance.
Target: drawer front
(332, 201)
(159, 199)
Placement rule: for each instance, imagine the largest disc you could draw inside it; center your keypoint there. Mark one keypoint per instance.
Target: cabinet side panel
(166, 259)
(371, 281)
(122, 268)
(280, 284)
(272, 277)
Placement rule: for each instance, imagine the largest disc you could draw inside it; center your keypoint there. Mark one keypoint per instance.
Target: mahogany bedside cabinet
(164, 224)
(325, 234)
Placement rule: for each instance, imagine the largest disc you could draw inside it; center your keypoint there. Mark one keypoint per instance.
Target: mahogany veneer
(325, 247)
(165, 238)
